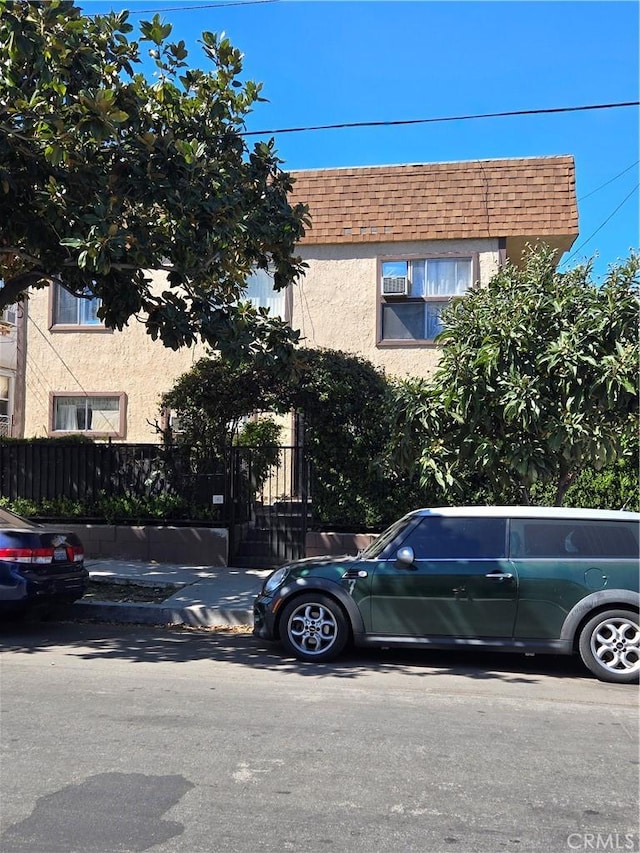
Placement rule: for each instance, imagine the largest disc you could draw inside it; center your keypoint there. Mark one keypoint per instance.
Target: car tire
(609, 646)
(313, 627)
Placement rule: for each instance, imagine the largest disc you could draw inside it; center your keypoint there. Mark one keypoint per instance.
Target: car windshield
(10, 519)
(378, 545)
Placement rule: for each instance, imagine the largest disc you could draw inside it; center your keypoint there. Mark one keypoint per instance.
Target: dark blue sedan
(40, 567)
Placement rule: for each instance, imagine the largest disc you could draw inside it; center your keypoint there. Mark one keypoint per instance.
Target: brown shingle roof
(424, 201)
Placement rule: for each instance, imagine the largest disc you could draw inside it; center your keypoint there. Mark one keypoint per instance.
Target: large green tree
(210, 400)
(106, 174)
(344, 402)
(537, 379)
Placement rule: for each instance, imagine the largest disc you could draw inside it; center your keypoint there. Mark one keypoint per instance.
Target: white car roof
(550, 512)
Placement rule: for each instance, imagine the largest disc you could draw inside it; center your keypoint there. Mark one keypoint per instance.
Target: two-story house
(388, 247)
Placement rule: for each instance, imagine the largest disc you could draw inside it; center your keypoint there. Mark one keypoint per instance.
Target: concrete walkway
(196, 595)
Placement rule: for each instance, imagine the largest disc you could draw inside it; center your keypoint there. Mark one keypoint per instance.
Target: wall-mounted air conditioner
(9, 316)
(395, 285)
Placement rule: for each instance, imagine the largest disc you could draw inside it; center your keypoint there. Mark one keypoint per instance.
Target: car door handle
(350, 574)
(502, 576)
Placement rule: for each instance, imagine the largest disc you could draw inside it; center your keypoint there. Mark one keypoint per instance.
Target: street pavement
(134, 738)
(197, 596)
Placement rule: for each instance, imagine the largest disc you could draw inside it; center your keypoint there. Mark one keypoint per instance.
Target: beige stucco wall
(98, 361)
(335, 304)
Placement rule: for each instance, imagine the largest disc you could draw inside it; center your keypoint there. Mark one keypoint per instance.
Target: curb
(127, 580)
(194, 616)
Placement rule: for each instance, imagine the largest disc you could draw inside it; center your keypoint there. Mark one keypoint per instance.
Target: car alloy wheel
(314, 628)
(610, 646)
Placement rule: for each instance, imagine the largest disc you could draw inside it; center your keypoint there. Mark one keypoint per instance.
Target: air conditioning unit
(9, 316)
(395, 285)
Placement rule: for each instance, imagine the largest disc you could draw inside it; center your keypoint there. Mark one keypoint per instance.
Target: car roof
(550, 512)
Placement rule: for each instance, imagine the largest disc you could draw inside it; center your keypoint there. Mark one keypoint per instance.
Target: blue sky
(332, 62)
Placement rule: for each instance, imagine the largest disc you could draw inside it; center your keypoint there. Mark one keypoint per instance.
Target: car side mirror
(405, 557)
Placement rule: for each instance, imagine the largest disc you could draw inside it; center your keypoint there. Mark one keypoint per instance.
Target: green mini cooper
(523, 579)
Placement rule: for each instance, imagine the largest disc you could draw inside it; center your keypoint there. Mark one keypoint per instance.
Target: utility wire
(600, 227)
(610, 181)
(442, 118)
(200, 6)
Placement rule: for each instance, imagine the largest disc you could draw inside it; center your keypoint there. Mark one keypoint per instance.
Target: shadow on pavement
(145, 644)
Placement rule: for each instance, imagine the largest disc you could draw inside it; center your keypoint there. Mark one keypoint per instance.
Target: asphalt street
(125, 738)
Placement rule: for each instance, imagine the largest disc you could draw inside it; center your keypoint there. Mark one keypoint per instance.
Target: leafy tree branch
(106, 175)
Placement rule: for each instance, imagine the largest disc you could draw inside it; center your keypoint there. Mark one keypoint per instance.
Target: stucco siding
(77, 362)
(335, 305)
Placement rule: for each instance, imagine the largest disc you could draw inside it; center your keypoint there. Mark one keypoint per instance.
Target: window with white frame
(259, 291)
(414, 291)
(70, 310)
(5, 411)
(88, 413)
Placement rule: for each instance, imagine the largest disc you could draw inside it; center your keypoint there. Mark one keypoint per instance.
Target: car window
(378, 545)
(439, 538)
(546, 538)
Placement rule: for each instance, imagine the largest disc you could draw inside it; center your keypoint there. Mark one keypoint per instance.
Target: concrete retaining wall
(334, 544)
(191, 546)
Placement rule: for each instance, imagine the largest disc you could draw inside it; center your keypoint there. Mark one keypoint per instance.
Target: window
(459, 539)
(95, 413)
(414, 292)
(5, 387)
(260, 292)
(574, 539)
(70, 310)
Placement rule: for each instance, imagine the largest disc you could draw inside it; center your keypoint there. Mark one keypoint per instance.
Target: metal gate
(269, 505)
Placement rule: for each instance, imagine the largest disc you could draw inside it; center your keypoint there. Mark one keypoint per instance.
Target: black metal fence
(92, 472)
(260, 494)
(269, 505)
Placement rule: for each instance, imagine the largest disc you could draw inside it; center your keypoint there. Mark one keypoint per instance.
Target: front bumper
(264, 619)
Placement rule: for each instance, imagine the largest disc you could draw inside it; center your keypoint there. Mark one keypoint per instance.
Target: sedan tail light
(32, 556)
(43, 556)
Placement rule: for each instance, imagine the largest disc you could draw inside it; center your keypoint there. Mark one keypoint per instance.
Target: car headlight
(275, 580)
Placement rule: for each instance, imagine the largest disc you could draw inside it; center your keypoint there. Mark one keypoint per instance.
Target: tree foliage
(344, 402)
(106, 174)
(537, 380)
(210, 400)
(262, 437)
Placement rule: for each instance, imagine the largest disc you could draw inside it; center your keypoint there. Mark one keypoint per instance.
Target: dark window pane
(403, 322)
(458, 539)
(561, 539)
(619, 539)
(434, 321)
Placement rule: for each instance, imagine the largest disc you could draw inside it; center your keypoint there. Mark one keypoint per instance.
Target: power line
(200, 6)
(600, 227)
(610, 181)
(442, 118)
